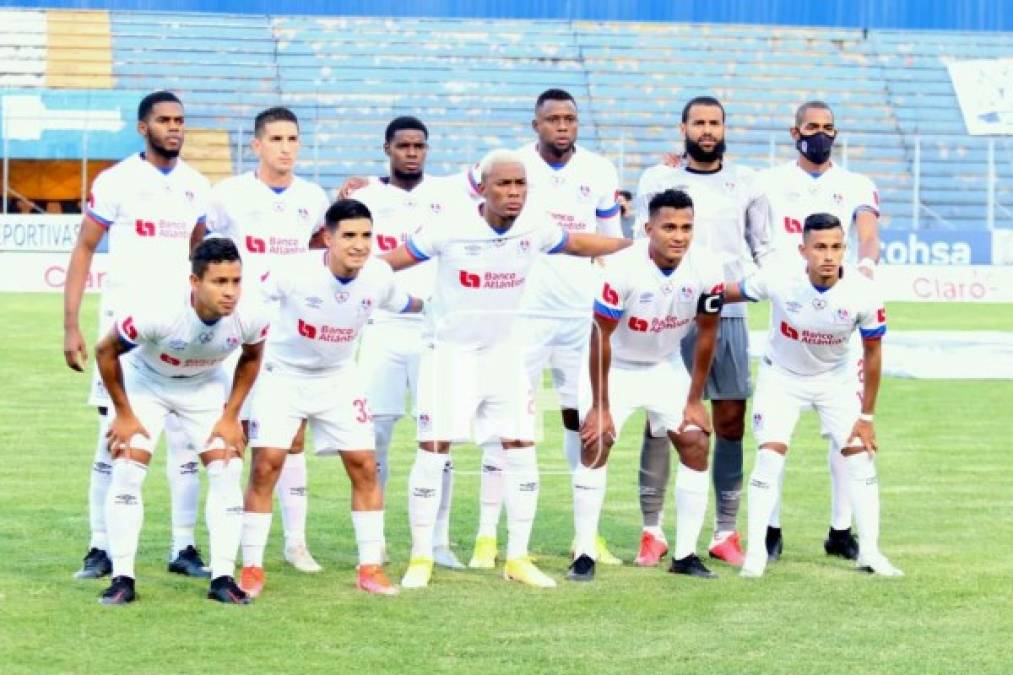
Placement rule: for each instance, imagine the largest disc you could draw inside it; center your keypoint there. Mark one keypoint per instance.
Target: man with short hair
(654, 291)
(174, 368)
(148, 205)
(814, 313)
(472, 379)
(324, 300)
(273, 214)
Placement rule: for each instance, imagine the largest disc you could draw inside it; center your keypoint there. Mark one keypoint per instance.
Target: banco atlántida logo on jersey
(274, 245)
(325, 333)
(492, 280)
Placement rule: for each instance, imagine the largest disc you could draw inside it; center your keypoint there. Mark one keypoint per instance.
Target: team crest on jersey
(279, 207)
(843, 316)
(366, 304)
(304, 213)
(189, 195)
(232, 342)
(205, 338)
(585, 191)
(686, 293)
(838, 198)
(793, 306)
(313, 302)
(646, 297)
(524, 245)
(819, 303)
(178, 345)
(436, 207)
(341, 296)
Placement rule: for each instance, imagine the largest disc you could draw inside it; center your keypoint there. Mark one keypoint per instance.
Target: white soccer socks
(182, 470)
(491, 488)
(368, 526)
(840, 494)
(521, 497)
(588, 497)
(571, 448)
(256, 528)
(425, 483)
(125, 514)
(98, 487)
(691, 488)
(223, 512)
(764, 490)
(292, 499)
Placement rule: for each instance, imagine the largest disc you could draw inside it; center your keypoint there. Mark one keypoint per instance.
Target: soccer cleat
(251, 580)
(841, 543)
(877, 564)
(652, 550)
(120, 592)
(524, 571)
(582, 569)
(445, 557)
(691, 566)
(418, 574)
(727, 547)
(484, 555)
(775, 544)
(750, 571)
(605, 556)
(96, 565)
(370, 578)
(299, 557)
(189, 564)
(224, 590)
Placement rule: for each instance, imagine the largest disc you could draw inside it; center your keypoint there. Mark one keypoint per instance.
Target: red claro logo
(788, 331)
(256, 245)
(307, 330)
(609, 295)
(637, 324)
(129, 329)
(386, 242)
(470, 280)
(144, 228)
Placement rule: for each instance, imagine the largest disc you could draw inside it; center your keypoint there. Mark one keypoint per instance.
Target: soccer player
(176, 370)
(148, 205)
(813, 183)
(325, 299)
(577, 189)
(814, 313)
(271, 213)
(472, 380)
(402, 202)
(732, 219)
(653, 293)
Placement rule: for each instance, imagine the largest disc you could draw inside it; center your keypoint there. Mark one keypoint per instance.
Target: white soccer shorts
(334, 406)
(389, 363)
(559, 344)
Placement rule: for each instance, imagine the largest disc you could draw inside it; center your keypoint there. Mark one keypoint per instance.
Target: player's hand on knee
(75, 351)
(598, 432)
(695, 415)
(121, 430)
(229, 431)
(863, 435)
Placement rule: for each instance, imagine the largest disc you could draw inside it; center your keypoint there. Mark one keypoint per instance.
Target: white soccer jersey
(265, 222)
(731, 215)
(149, 215)
(654, 310)
(319, 316)
(579, 196)
(795, 194)
(172, 341)
(481, 273)
(810, 328)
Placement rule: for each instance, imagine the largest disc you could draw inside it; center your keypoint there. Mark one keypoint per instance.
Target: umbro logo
(424, 493)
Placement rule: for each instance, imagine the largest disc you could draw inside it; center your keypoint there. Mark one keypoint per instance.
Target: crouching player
(324, 300)
(176, 370)
(813, 316)
(653, 293)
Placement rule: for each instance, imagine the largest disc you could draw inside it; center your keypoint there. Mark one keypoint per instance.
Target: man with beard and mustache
(733, 221)
(149, 205)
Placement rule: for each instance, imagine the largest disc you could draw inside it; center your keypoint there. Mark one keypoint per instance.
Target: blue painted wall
(989, 15)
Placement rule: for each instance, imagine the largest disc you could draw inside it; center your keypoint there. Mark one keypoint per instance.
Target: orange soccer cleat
(728, 547)
(370, 578)
(652, 550)
(251, 580)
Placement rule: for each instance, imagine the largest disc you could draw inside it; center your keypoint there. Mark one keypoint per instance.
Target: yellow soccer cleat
(524, 571)
(484, 556)
(418, 574)
(605, 556)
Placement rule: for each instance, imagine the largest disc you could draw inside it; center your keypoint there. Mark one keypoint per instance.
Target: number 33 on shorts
(362, 414)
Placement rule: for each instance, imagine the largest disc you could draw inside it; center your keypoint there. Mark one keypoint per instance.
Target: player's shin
(863, 487)
(491, 488)
(691, 488)
(223, 512)
(571, 448)
(588, 497)
(291, 491)
(727, 478)
(182, 470)
(840, 498)
(425, 483)
(763, 494)
(125, 514)
(522, 488)
(655, 469)
(256, 528)
(368, 526)
(98, 488)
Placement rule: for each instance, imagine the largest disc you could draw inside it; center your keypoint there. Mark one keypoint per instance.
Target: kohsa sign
(932, 247)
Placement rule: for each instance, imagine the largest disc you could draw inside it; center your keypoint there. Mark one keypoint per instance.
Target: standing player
(732, 219)
(472, 380)
(325, 299)
(814, 184)
(401, 203)
(272, 214)
(814, 313)
(653, 293)
(577, 190)
(148, 204)
(177, 370)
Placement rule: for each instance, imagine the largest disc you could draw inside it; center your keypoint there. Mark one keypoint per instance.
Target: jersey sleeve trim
(606, 312)
(865, 207)
(561, 244)
(609, 212)
(414, 251)
(202, 219)
(407, 306)
(126, 344)
(873, 333)
(745, 292)
(98, 219)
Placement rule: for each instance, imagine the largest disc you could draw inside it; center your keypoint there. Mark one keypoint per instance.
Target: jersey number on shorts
(363, 415)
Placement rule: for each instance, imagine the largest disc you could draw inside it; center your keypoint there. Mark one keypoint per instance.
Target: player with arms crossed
(732, 219)
(806, 365)
(310, 375)
(653, 293)
(815, 184)
(472, 380)
(149, 205)
(272, 214)
(174, 367)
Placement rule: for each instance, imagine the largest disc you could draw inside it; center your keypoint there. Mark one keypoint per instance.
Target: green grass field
(945, 470)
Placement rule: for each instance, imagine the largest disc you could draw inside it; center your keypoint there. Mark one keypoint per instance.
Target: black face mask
(694, 150)
(816, 147)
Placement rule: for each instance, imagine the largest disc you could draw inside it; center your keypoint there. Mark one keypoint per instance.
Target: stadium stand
(474, 81)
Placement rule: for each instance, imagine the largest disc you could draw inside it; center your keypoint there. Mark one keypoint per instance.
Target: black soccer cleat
(96, 565)
(120, 592)
(224, 590)
(582, 569)
(189, 564)
(841, 543)
(775, 544)
(691, 566)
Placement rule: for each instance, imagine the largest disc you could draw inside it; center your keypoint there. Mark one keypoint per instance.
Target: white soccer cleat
(299, 557)
(877, 564)
(444, 557)
(753, 568)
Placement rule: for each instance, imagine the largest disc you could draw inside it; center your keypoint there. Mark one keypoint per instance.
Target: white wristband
(865, 417)
(867, 262)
